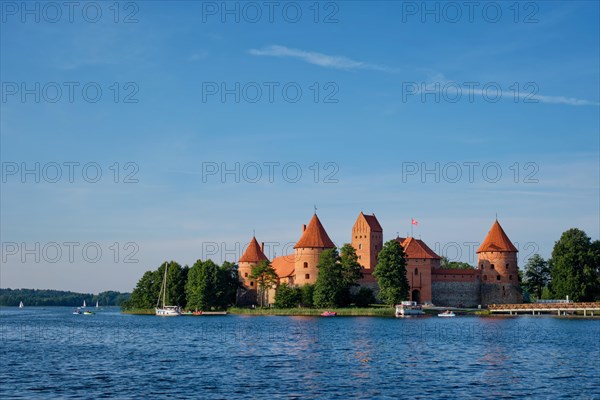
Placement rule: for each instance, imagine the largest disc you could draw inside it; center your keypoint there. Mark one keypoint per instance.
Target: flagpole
(411, 227)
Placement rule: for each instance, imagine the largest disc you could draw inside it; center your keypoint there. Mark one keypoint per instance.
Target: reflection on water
(52, 353)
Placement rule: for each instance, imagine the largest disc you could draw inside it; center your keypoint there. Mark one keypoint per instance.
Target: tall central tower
(312, 243)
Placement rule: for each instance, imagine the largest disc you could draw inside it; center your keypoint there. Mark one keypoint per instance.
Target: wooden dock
(588, 309)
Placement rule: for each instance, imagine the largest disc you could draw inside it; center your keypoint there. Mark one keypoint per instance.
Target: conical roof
(253, 252)
(496, 240)
(315, 236)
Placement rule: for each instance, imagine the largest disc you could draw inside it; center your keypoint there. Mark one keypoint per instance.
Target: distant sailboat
(83, 304)
(21, 305)
(165, 310)
(96, 303)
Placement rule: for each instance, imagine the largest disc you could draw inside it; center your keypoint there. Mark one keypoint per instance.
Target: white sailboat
(96, 303)
(83, 304)
(21, 305)
(165, 310)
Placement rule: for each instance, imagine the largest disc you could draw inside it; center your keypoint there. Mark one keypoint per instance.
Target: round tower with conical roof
(253, 255)
(499, 272)
(308, 249)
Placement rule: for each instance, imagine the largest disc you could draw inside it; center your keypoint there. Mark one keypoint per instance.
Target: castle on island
(495, 280)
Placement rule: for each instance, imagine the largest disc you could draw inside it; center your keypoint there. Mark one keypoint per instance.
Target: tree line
(41, 298)
(573, 270)
(204, 286)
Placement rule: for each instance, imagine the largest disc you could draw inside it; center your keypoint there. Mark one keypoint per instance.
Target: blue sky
(382, 64)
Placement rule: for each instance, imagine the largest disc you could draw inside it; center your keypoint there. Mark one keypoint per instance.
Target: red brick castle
(495, 280)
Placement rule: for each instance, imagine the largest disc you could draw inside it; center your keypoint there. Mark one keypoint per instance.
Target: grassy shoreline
(350, 311)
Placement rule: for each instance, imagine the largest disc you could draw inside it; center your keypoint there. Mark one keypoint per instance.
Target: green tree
(201, 287)
(146, 291)
(265, 276)
(391, 273)
(329, 286)
(307, 293)
(287, 296)
(350, 273)
(536, 276)
(228, 283)
(364, 297)
(338, 273)
(575, 267)
(176, 280)
(445, 263)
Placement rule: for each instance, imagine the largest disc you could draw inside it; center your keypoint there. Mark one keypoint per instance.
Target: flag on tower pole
(413, 222)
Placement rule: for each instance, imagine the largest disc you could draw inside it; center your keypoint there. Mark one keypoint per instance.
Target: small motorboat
(87, 312)
(446, 314)
(328, 314)
(77, 312)
(197, 313)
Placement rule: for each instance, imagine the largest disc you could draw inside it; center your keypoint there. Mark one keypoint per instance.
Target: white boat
(21, 305)
(96, 303)
(165, 310)
(447, 314)
(83, 304)
(407, 308)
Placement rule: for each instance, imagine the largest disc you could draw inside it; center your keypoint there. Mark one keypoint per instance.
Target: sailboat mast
(165, 286)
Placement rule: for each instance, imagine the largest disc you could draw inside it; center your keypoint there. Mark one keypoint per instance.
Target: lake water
(48, 352)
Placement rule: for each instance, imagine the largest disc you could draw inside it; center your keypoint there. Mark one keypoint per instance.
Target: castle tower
(420, 262)
(497, 262)
(312, 243)
(251, 257)
(367, 240)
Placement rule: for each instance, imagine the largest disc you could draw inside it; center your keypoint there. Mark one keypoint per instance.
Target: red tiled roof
(284, 265)
(416, 248)
(373, 222)
(314, 236)
(253, 252)
(496, 240)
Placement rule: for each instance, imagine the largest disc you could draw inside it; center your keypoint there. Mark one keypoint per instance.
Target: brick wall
(455, 294)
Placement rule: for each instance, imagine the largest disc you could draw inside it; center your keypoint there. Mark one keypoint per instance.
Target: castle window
(307, 276)
(416, 271)
(492, 266)
(510, 277)
(251, 283)
(375, 247)
(360, 257)
(506, 265)
(485, 277)
(497, 277)
(481, 265)
(360, 246)
(305, 265)
(245, 275)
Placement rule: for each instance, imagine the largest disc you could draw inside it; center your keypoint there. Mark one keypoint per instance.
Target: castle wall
(456, 293)
(500, 294)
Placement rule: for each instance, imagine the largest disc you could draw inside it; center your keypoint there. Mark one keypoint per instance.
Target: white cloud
(320, 59)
